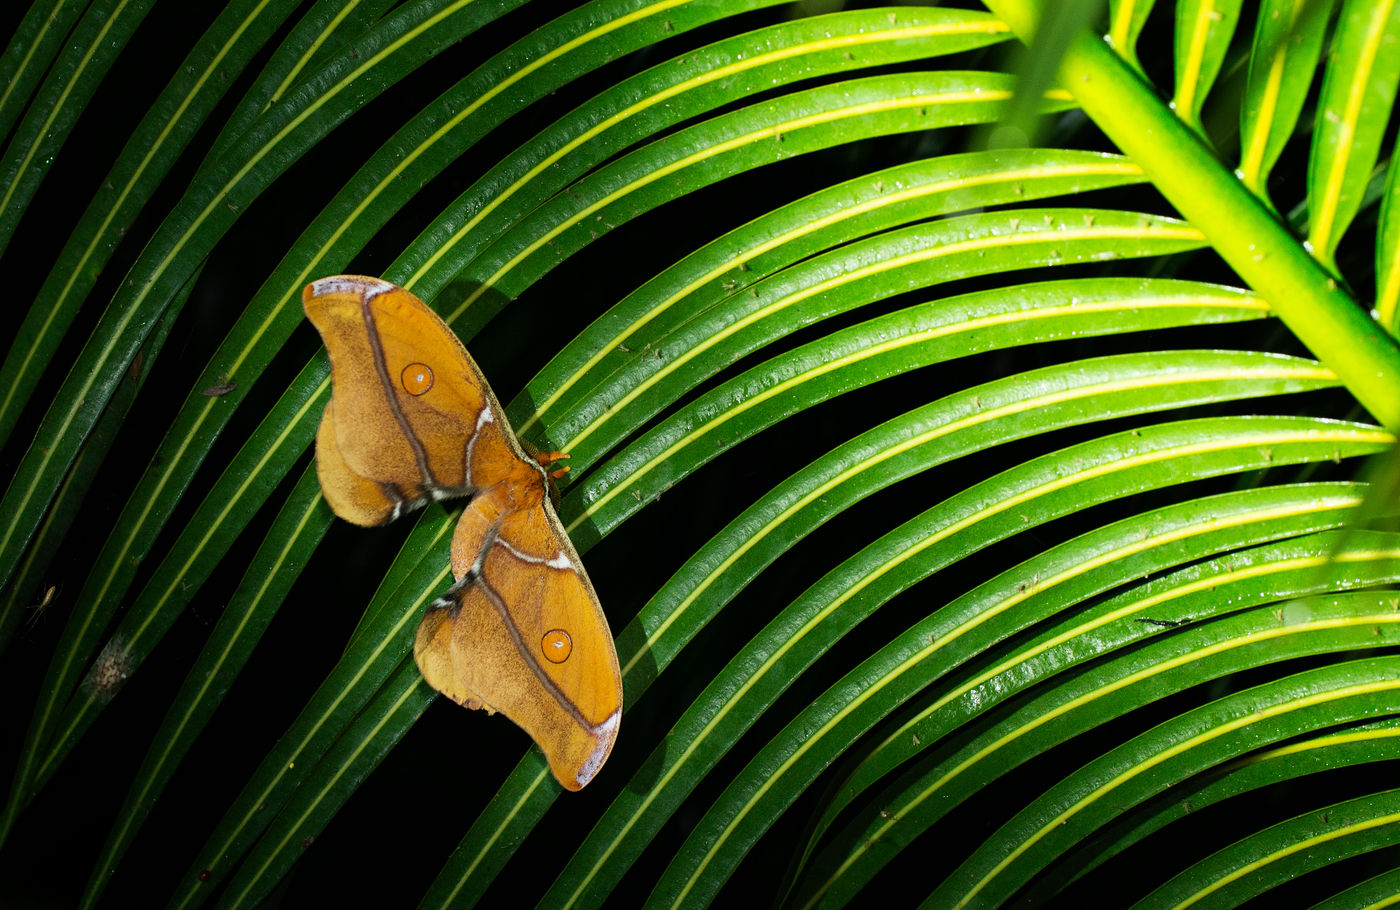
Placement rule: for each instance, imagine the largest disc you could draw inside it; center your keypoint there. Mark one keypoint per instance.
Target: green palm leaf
(1054, 532)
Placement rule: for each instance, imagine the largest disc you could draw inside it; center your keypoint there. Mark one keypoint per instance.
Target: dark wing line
(529, 656)
(402, 503)
(381, 366)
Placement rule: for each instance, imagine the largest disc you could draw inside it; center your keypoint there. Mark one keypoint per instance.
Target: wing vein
(525, 653)
(381, 366)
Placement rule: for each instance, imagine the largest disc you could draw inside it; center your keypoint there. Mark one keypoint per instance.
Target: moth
(411, 419)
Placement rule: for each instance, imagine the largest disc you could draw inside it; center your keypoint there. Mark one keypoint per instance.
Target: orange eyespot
(417, 378)
(557, 646)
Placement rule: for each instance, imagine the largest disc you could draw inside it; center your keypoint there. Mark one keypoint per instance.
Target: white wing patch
(606, 733)
(353, 284)
(559, 560)
(481, 420)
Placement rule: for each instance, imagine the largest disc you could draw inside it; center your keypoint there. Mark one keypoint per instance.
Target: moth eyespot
(417, 378)
(557, 646)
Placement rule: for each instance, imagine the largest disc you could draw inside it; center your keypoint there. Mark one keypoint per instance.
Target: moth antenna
(547, 459)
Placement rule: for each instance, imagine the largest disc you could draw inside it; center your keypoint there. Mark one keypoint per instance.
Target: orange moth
(412, 419)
